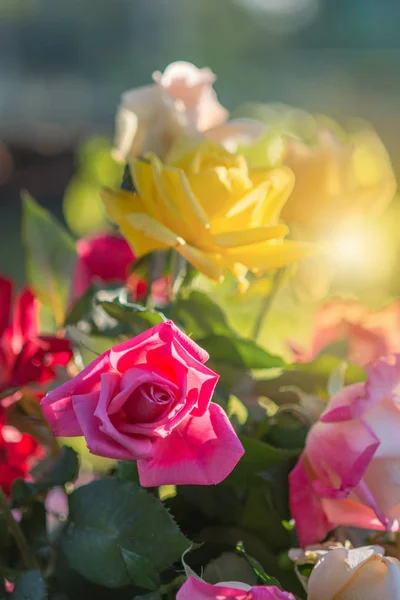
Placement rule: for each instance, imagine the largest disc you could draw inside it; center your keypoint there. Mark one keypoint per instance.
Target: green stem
(17, 533)
(267, 302)
(178, 270)
(173, 585)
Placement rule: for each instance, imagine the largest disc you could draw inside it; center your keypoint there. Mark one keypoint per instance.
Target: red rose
(18, 451)
(25, 356)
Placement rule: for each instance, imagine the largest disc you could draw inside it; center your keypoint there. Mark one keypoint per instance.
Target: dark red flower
(25, 356)
(18, 452)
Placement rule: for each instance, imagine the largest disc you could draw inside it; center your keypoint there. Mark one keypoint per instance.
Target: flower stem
(267, 302)
(17, 533)
(178, 270)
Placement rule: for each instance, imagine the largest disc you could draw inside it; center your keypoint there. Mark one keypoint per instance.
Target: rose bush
(347, 474)
(195, 589)
(149, 399)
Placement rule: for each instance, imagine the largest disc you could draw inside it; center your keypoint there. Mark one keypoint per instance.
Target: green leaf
(127, 471)
(33, 525)
(107, 311)
(30, 586)
(188, 570)
(90, 318)
(141, 570)
(201, 316)
(54, 472)
(237, 410)
(137, 317)
(258, 569)
(49, 473)
(261, 517)
(110, 514)
(50, 257)
(239, 352)
(8, 392)
(258, 459)
(230, 567)
(286, 430)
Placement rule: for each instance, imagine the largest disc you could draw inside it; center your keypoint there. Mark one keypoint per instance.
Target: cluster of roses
(148, 399)
(30, 361)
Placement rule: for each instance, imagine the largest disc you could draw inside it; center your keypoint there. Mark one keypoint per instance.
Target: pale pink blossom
(149, 399)
(369, 334)
(349, 472)
(180, 102)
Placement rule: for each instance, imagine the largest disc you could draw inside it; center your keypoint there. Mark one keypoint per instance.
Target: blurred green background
(63, 66)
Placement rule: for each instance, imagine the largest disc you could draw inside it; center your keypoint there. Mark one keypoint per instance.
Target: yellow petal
(281, 186)
(218, 189)
(246, 212)
(154, 230)
(271, 255)
(207, 263)
(233, 239)
(118, 205)
(143, 179)
(181, 208)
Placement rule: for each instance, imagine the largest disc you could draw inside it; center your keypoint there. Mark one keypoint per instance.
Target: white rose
(359, 574)
(181, 102)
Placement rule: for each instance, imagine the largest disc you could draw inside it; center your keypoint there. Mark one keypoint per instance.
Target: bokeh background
(63, 66)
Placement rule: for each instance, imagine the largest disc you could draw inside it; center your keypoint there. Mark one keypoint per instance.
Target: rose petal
(125, 355)
(196, 589)
(99, 443)
(5, 303)
(355, 400)
(201, 450)
(350, 512)
(335, 569)
(57, 405)
(25, 319)
(134, 447)
(312, 524)
(340, 454)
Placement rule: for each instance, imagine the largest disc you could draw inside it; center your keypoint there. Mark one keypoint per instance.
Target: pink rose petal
(202, 450)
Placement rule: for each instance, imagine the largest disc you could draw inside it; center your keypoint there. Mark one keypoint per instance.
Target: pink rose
(370, 335)
(348, 473)
(195, 589)
(149, 399)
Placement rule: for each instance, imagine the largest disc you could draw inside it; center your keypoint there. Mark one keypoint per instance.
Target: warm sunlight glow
(362, 251)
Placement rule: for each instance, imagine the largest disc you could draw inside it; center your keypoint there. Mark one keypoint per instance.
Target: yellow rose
(209, 206)
(338, 180)
(339, 175)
